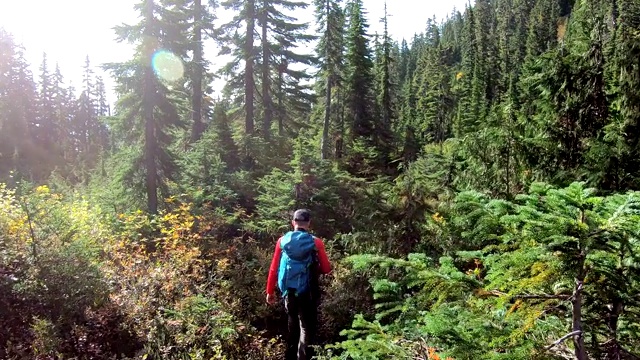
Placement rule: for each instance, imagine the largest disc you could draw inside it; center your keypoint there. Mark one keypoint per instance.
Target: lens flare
(167, 66)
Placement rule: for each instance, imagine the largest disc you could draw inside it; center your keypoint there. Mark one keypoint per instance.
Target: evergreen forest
(477, 186)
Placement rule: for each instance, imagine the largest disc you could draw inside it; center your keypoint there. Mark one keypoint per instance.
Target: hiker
(298, 260)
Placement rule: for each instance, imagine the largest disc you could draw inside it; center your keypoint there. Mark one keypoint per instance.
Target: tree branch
(559, 341)
(526, 296)
(541, 296)
(34, 242)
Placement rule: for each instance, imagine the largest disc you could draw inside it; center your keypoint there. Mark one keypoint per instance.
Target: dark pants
(302, 312)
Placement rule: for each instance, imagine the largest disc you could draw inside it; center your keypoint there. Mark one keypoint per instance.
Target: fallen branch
(562, 339)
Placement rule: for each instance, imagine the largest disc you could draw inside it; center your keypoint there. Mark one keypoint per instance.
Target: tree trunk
(266, 81)
(280, 93)
(249, 87)
(324, 146)
(409, 150)
(148, 101)
(196, 76)
(612, 347)
(327, 120)
(340, 140)
(576, 302)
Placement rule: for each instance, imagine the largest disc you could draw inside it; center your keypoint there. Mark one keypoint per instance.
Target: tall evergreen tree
(543, 27)
(484, 90)
(43, 126)
(512, 24)
(386, 85)
(571, 107)
(432, 81)
(17, 110)
(103, 109)
(197, 73)
(359, 76)
(281, 34)
(222, 128)
(87, 115)
(241, 84)
(408, 91)
(267, 101)
(278, 37)
(64, 108)
(403, 67)
(147, 107)
(330, 49)
(200, 17)
(626, 81)
(466, 118)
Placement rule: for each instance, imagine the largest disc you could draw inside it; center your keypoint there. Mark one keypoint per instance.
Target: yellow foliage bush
(168, 282)
(153, 262)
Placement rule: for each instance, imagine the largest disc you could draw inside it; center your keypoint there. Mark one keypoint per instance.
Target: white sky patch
(69, 30)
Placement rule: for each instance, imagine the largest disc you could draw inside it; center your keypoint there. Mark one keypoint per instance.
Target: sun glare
(167, 65)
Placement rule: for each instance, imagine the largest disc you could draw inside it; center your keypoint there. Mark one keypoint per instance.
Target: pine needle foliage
(550, 262)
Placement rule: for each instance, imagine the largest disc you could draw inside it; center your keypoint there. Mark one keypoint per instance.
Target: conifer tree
(17, 110)
(626, 65)
(434, 102)
(64, 108)
(543, 27)
(466, 118)
(222, 128)
(241, 84)
(279, 35)
(512, 24)
(267, 101)
(330, 50)
(103, 109)
(193, 22)
(377, 55)
(197, 73)
(386, 87)
(43, 126)
(408, 91)
(359, 76)
(7, 127)
(87, 115)
(147, 107)
(483, 89)
(572, 110)
(403, 59)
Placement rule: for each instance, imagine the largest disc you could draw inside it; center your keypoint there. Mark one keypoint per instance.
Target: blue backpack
(298, 250)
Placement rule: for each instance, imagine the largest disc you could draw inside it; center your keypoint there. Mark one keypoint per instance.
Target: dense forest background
(476, 185)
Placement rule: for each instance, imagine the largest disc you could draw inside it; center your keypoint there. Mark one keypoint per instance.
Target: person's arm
(273, 270)
(323, 260)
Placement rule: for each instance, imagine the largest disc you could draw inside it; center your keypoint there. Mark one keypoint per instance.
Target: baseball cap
(302, 215)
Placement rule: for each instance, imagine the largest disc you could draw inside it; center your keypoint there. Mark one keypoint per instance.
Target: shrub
(50, 272)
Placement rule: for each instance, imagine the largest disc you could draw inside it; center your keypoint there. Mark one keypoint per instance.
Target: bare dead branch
(541, 296)
(559, 341)
(528, 296)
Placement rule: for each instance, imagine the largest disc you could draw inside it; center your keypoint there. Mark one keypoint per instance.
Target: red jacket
(325, 266)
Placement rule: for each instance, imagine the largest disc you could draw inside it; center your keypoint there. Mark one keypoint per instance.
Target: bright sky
(69, 30)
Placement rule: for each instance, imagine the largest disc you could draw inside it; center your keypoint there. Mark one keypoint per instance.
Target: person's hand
(271, 299)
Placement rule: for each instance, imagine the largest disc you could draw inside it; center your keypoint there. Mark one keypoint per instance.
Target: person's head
(301, 219)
